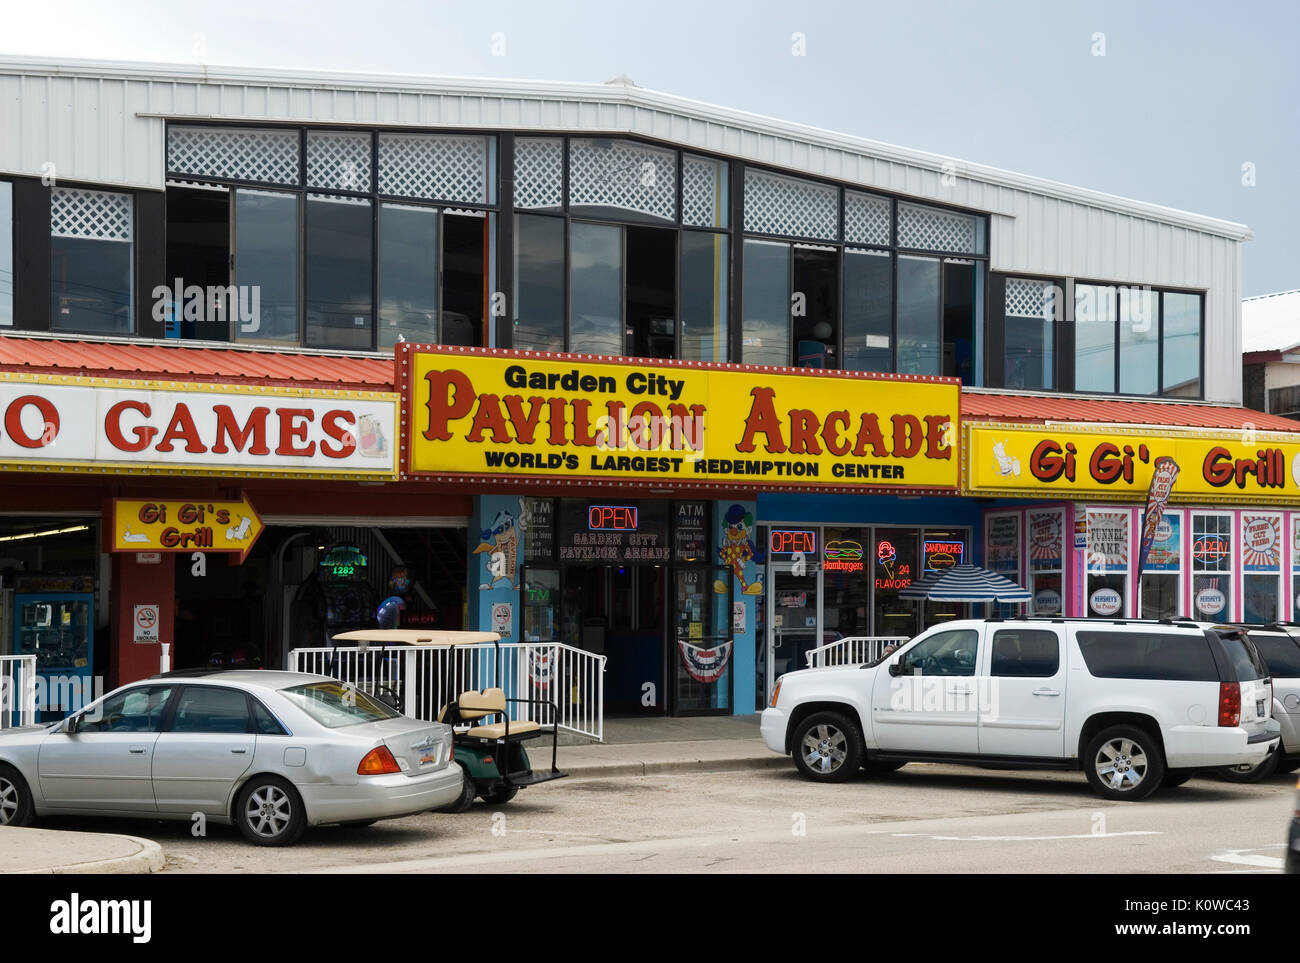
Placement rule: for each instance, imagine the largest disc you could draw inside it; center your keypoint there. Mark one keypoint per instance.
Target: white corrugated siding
(87, 120)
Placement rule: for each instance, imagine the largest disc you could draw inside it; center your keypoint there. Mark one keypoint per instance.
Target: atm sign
(786, 541)
(611, 518)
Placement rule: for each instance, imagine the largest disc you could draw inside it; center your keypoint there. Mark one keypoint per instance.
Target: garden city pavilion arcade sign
(481, 415)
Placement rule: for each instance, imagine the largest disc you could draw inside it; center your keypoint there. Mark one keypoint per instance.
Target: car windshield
(336, 704)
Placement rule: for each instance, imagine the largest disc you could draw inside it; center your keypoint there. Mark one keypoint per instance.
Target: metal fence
(552, 675)
(17, 691)
(854, 650)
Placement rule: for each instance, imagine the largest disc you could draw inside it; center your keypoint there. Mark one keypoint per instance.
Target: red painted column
(135, 584)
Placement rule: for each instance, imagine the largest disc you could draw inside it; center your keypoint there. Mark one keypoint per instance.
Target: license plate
(1259, 708)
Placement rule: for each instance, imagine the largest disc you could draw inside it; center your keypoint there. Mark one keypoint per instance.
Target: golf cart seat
(472, 705)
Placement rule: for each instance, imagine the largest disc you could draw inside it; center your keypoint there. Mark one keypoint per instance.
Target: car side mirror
(896, 667)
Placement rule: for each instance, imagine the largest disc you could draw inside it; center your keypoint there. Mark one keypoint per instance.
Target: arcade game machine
(349, 600)
(58, 628)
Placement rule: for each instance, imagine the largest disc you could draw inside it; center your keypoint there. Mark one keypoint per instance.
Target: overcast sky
(1185, 94)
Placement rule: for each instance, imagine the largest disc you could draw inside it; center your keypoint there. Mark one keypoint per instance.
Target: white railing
(855, 650)
(17, 691)
(554, 675)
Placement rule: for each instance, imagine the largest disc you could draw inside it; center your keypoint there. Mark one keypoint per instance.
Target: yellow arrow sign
(175, 525)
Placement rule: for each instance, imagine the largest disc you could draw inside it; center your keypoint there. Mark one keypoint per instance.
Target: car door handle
(1047, 692)
(239, 752)
(138, 750)
(961, 691)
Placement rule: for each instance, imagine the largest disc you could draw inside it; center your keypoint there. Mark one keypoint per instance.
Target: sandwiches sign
(479, 415)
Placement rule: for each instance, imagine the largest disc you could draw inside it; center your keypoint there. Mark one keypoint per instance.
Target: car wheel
(270, 812)
(827, 747)
(1124, 763)
(15, 798)
(499, 794)
(1176, 777)
(1251, 772)
(466, 797)
(880, 766)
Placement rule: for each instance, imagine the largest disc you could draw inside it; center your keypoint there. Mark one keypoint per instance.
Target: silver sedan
(270, 752)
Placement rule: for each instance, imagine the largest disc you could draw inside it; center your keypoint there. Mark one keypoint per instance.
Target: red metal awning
(1038, 409)
(167, 362)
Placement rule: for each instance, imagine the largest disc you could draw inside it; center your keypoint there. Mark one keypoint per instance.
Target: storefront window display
(1046, 534)
(895, 560)
(942, 550)
(1212, 566)
(1261, 565)
(1161, 588)
(1108, 560)
(1002, 553)
(1295, 567)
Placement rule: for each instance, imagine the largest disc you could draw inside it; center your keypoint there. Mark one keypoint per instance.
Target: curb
(651, 768)
(148, 859)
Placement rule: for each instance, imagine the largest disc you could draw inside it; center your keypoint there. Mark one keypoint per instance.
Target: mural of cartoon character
(737, 549)
(500, 544)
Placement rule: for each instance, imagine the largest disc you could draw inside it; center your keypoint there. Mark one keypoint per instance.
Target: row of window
(354, 240)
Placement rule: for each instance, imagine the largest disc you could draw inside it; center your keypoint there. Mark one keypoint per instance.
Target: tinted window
(135, 710)
(1026, 652)
(1182, 657)
(1280, 653)
(947, 653)
(1245, 660)
(264, 723)
(210, 709)
(334, 704)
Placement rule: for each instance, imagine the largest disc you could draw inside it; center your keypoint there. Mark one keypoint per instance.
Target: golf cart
(488, 743)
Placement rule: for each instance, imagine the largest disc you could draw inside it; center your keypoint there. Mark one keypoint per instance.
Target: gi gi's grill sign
(476, 414)
(106, 425)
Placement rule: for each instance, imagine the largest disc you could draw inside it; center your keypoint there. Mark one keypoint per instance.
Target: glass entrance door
(702, 645)
(793, 615)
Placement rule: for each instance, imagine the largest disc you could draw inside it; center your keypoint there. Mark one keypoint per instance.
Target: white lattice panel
(92, 215)
(623, 174)
(866, 219)
(539, 172)
(703, 184)
(1029, 298)
(234, 153)
(931, 229)
(789, 206)
(338, 161)
(435, 167)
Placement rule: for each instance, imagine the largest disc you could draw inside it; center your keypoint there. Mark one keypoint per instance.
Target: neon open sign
(611, 518)
(786, 541)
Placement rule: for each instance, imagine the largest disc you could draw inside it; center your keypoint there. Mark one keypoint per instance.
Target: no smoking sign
(146, 623)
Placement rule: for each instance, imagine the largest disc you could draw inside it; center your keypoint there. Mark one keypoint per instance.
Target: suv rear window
(1244, 657)
(1280, 652)
(1174, 656)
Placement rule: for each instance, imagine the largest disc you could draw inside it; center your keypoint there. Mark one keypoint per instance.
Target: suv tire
(1248, 773)
(827, 747)
(1124, 763)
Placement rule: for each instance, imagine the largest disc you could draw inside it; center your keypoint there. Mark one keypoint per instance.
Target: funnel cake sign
(477, 415)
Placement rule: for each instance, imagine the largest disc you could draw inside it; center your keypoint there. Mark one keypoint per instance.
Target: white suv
(1134, 703)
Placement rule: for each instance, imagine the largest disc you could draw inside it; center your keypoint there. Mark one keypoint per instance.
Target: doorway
(618, 611)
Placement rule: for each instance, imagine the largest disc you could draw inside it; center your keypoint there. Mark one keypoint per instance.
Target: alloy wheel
(1121, 764)
(269, 811)
(824, 748)
(8, 801)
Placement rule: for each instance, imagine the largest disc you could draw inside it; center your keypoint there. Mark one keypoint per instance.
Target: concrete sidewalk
(54, 851)
(638, 747)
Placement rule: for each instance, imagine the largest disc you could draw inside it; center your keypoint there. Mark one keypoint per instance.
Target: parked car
(1134, 703)
(1279, 646)
(270, 752)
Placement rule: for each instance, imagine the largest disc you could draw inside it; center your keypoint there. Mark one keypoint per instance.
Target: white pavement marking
(1249, 857)
(1031, 839)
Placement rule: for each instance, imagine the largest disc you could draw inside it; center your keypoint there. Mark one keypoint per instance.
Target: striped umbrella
(965, 583)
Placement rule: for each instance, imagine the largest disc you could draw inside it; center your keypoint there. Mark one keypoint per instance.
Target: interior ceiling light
(50, 531)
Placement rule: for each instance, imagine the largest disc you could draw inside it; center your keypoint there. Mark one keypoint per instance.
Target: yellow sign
(184, 526)
(1251, 467)
(474, 414)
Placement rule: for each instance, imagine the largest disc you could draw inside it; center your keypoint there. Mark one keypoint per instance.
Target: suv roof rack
(1181, 623)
